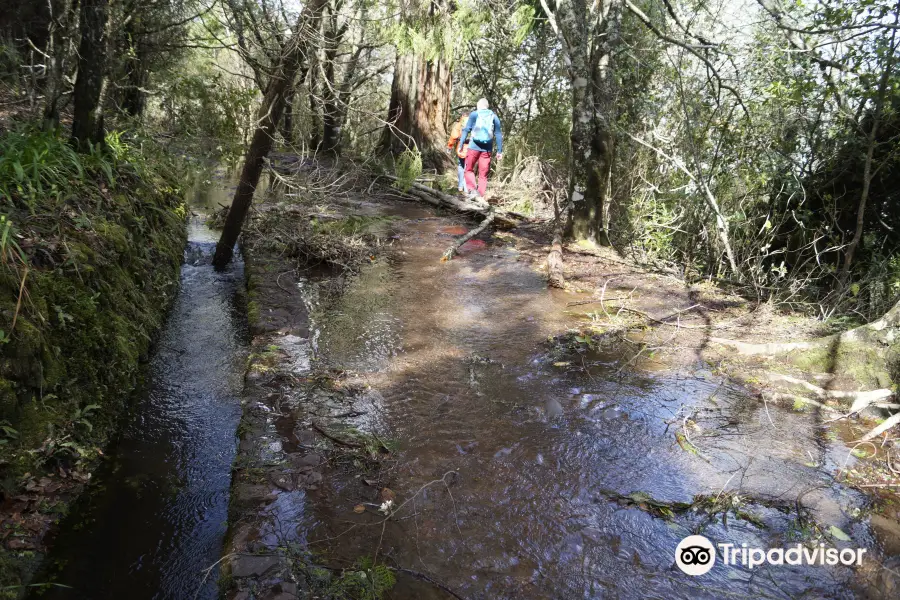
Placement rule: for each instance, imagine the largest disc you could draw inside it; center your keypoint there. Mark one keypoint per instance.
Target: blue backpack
(483, 131)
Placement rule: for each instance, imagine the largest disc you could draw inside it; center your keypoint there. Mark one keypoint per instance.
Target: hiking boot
(471, 194)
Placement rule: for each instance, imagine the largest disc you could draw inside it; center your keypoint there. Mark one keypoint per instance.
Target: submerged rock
(553, 408)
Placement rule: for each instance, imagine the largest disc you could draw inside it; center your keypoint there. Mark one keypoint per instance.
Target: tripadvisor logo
(696, 555)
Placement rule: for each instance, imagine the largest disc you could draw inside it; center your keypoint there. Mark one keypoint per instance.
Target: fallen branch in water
(888, 423)
(452, 250)
(441, 200)
(334, 439)
(430, 580)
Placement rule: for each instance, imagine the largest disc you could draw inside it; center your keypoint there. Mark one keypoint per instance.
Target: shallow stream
(551, 459)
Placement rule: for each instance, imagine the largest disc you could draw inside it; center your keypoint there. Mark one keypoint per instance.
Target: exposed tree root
(752, 349)
(860, 399)
(334, 439)
(791, 398)
(883, 329)
(452, 250)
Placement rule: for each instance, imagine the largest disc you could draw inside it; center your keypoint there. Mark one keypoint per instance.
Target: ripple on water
(466, 383)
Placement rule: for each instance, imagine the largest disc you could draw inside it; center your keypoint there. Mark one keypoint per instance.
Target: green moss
(864, 363)
(253, 313)
(99, 282)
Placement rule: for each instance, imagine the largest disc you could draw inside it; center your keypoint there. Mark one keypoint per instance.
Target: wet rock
(888, 585)
(306, 437)
(309, 479)
(502, 452)
(250, 566)
(310, 460)
(888, 533)
(289, 588)
(283, 481)
(553, 408)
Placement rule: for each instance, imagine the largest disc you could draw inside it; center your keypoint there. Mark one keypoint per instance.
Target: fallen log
(452, 250)
(440, 199)
(887, 424)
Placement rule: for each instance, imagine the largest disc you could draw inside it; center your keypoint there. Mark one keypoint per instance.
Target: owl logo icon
(695, 555)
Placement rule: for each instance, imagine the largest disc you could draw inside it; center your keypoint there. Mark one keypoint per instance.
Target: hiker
(455, 135)
(484, 126)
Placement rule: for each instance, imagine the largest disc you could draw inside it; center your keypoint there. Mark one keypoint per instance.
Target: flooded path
(153, 520)
(530, 469)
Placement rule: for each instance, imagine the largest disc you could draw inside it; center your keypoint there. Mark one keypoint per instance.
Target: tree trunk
(134, 98)
(589, 34)
(315, 102)
(58, 52)
(592, 153)
(89, 83)
(268, 118)
(419, 109)
(331, 109)
(871, 142)
(287, 124)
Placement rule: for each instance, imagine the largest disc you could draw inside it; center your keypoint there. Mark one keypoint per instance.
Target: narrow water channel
(153, 520)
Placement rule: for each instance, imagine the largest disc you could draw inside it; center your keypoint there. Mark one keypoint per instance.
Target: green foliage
(7, 433)
(363, 582)
(102, 239)
(408, 168)
(200, 100)
(10, 60)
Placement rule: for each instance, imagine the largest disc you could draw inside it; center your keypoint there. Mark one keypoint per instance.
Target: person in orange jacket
(455, 133)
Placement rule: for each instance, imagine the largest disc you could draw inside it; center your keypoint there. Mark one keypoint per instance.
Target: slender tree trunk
(331, 109)
(871, 142)
(58, 51)
(91, 65)
(419, 109)
(134, 99)
(589, 34)
(287, 124)
(315, 103)
(268, 118)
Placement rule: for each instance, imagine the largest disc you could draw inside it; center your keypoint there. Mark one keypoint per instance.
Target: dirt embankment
(85, 281)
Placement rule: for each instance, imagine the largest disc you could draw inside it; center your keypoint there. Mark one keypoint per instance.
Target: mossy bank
(91, 249)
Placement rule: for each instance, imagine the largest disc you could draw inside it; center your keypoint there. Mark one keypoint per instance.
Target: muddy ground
(470, 433)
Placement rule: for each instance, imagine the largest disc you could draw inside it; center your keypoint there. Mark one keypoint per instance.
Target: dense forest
(764, 131)
(753, 145)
